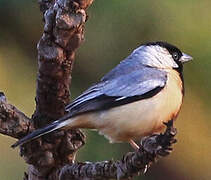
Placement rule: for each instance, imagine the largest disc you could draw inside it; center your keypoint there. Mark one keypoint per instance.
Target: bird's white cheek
(170, 63)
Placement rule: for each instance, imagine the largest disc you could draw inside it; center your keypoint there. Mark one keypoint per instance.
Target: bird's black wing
(119, 87)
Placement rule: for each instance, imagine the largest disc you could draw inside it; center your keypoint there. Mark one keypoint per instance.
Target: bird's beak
(185, 58)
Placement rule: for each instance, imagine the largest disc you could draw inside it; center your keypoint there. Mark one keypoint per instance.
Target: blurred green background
(114, 29)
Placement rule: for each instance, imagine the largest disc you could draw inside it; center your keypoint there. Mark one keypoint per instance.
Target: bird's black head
(173, 50)
(176, 54)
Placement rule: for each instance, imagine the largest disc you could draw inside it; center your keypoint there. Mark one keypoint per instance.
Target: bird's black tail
(40, 132)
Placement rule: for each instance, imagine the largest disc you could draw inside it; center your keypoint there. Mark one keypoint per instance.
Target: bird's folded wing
(118, 87)
(114, 90)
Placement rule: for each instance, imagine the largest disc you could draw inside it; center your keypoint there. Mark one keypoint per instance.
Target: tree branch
(13, 122)
(131, 164)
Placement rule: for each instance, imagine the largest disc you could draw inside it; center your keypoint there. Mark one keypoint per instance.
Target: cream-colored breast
(140, 118)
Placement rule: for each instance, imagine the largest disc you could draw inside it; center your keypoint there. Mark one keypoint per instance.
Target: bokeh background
(114, 29)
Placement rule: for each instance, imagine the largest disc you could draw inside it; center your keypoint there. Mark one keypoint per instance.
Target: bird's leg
(133, 144)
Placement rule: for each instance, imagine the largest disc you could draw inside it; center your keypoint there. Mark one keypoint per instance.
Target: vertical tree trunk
(63, 33)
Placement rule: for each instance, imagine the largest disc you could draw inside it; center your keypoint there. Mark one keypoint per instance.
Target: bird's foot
(160, 143)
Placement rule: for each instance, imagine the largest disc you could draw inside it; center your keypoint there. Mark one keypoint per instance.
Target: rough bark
(13, 122)
(63, 33)
(52, 156)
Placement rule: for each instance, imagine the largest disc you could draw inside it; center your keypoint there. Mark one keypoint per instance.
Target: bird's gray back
(129, 81)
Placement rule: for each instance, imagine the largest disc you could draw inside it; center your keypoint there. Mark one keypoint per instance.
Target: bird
(135, 99)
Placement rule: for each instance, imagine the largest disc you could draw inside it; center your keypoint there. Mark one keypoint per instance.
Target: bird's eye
(175, 56)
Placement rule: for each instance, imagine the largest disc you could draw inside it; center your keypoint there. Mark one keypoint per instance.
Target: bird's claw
(160, 143)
